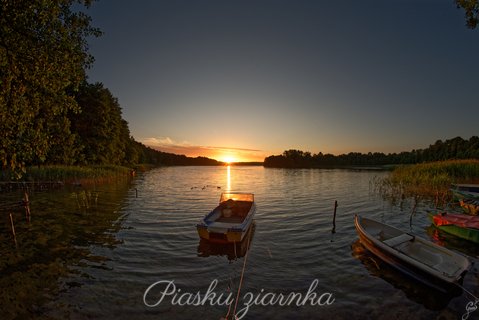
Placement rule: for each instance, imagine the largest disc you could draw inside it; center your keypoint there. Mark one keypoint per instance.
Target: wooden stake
(136, 193)
(27, 206)
(78, 200)
(13, 230)
(413, 211)
(334, 216)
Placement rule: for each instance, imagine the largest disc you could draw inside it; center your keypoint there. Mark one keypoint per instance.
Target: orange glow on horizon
(228, 158)
(223, 154)
(233, 156)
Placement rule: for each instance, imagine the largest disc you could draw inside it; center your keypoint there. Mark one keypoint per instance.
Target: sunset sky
(241, 80)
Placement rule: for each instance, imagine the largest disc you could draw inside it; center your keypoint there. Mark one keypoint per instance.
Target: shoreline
(55, 176)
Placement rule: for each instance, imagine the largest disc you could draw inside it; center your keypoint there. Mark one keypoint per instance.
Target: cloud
(162, 141)
(237, 149)
(166, 144)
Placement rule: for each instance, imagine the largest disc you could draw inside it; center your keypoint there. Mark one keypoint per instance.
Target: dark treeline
(97, 134)
(49, 113)
(152, 156)
(456, 148)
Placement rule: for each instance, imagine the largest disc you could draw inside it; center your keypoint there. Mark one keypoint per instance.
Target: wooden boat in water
(423, 260)
(465, 191)
(230, 220)
(460, 225)
(469, 187)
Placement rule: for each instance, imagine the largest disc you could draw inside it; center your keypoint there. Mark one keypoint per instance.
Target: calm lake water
(92, 252)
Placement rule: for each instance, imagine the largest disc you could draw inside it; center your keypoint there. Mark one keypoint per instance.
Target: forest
(456, 148)
(49, 112)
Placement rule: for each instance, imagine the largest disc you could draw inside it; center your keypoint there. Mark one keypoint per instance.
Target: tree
(43, 57)
(65, 147)
(471, 8)
(103, 134)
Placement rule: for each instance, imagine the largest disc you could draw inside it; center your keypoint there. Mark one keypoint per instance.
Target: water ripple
(291, 246)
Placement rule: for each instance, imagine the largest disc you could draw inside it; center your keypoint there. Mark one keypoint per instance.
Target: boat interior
(413, 247)
(231, 211)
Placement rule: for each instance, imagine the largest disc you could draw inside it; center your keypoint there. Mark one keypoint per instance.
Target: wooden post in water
(136, 193)
(334, 216)
(27, 206)
(13, 230)
(413, 211)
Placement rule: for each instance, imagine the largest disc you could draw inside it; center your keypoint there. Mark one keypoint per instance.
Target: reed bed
(428, 180)
(77, 174)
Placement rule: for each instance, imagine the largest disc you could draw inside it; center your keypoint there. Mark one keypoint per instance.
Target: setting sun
(228, 159)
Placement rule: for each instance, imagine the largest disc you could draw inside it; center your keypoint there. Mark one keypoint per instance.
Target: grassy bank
(142, 167)
(75, 174)
(429, 180)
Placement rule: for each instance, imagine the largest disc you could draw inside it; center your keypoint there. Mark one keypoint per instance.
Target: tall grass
(429, 180)
(76, 174)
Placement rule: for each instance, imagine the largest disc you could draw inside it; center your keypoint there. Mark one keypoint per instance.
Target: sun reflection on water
(228, 178)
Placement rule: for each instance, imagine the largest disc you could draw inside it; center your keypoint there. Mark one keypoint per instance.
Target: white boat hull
(419, 258)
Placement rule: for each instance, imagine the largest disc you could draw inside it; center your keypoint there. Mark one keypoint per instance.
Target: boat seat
(392, 242)
(447, 267)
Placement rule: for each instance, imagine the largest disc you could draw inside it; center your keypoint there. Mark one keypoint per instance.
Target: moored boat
(470, 206)
(460, 225)
(423, 260)
(230, 220)
(465, 191)
(469, 187)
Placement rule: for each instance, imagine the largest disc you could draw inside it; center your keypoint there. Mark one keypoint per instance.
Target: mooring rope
(241, 278)
(471, 306)
(468, 292)
(230, 288)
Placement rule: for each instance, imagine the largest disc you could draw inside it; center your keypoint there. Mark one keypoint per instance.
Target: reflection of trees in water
(56, 242)
(414, 290)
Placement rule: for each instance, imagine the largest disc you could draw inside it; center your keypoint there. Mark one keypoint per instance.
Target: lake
(92, 252)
